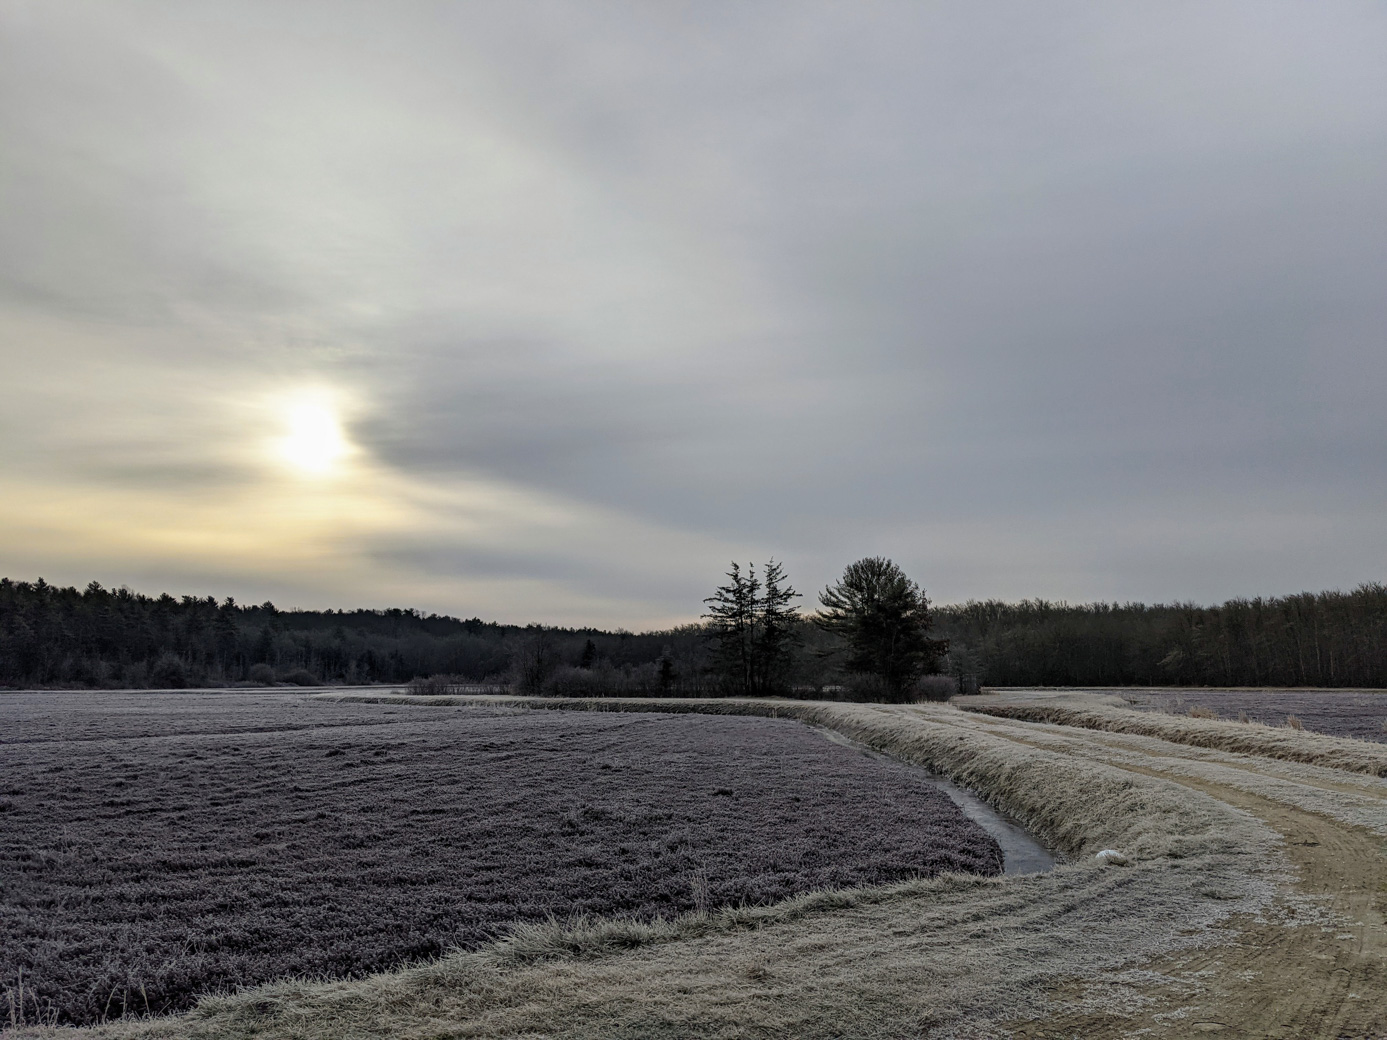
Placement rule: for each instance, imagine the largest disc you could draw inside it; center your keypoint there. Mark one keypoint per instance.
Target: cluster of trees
(873, 638)
(1310, 639)
(754, 630)
(873, 625)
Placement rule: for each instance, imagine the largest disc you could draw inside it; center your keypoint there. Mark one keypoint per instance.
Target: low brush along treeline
(100, 638)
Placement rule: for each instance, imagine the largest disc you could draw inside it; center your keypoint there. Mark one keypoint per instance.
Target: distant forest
(52, 636)
(98, 638)
(1310, 639)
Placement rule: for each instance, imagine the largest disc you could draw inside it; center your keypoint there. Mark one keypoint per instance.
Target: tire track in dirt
(1267, 978)
(1324, 778)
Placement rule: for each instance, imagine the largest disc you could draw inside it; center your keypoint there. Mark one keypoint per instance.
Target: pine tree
(884, 620)
(754, 633)
(732, 625)
(778, 634)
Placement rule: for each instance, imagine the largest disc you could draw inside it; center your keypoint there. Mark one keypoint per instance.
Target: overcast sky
(546, 311)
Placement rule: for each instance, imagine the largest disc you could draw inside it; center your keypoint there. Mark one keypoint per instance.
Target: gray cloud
(1082, 301)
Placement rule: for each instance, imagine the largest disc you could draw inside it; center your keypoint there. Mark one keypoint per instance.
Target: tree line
(874, 636)
(752, 641)
(117, 638)
(1309, 639)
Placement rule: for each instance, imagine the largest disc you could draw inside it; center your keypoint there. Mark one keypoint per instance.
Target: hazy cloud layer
(1079, 301)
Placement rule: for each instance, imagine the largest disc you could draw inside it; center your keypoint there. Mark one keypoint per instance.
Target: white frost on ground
(956, 956)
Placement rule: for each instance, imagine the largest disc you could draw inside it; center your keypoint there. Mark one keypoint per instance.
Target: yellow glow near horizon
(313, 443)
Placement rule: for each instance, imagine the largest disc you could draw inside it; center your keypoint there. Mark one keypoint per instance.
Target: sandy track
(1270, 979)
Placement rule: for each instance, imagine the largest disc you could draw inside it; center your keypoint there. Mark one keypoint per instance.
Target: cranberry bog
(1337, 713)
(159, 848)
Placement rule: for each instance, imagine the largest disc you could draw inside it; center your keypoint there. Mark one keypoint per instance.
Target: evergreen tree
(731, 620)
(778, 637)
(754, 634)
(883, 619)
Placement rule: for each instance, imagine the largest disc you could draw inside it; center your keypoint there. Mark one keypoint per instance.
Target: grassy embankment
(1090, 709)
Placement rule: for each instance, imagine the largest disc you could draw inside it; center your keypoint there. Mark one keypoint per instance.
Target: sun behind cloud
(314, 442)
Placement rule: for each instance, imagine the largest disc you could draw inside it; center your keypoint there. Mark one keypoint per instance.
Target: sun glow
(313, 442)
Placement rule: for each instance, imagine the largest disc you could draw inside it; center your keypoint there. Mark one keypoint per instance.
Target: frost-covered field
(1248, 906)
(1339, 713)
(158, 847)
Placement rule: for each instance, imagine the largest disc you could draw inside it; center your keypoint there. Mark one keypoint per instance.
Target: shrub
(934, 688)
(435, 685)
(262, 674)
(606, 680)
(169, 673)
(90, 671)
(300, 677)
(535, 662)
(135, 676)
(865, 686)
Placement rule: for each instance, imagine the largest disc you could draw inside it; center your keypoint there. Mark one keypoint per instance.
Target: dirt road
(1325, 977)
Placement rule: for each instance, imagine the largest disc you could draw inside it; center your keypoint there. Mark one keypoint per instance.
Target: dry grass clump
(434, 685)
(443, 685)
(1199, 711)
(1290, 742)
